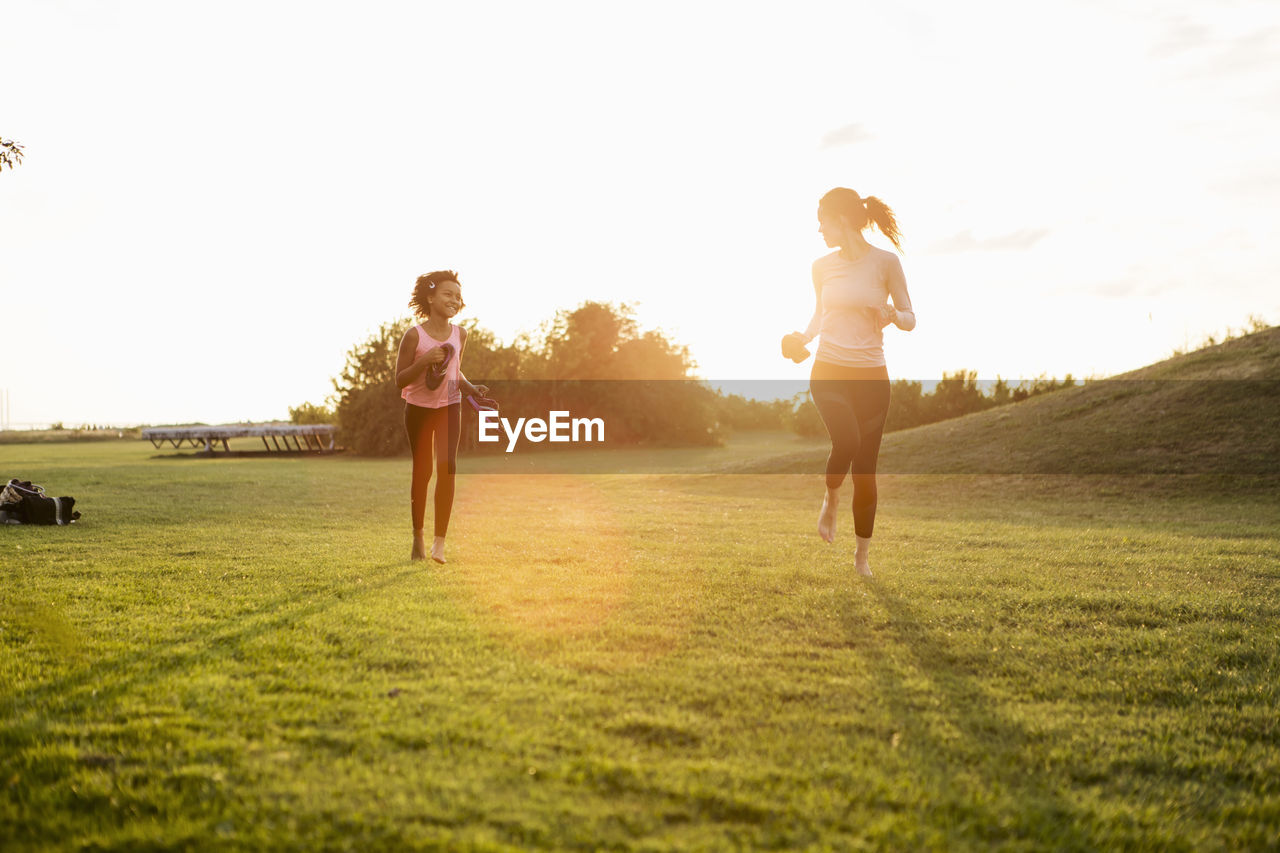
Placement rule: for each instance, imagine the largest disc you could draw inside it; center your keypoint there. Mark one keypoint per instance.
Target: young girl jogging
(429, 375)
(849, 382)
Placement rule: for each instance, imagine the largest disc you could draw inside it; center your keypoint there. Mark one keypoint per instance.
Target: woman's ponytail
(861, 212)
(882, 215)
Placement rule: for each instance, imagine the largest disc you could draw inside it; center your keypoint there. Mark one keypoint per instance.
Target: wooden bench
(316, 438)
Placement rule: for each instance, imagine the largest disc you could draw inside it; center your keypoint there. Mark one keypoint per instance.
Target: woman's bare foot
(419, 547)
(862, 556)
(827, 518)
(437, 550)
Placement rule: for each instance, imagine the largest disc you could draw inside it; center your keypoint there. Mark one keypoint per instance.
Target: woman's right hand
(433, 356)
(793, 347)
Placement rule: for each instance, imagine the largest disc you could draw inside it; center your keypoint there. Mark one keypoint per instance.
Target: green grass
(237, 654)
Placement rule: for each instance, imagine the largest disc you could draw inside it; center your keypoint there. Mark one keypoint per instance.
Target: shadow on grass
(97, 682)
(971, 759)
(67, 774)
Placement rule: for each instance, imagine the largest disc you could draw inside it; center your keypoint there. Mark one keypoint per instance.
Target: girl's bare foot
(861, 556)
(419, 547)
(437, 550)
(827, 518)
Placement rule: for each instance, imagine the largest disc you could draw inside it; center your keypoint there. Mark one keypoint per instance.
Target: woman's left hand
(481, 390)
(888, 314)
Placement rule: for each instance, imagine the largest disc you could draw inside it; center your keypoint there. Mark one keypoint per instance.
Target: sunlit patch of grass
(562, 570)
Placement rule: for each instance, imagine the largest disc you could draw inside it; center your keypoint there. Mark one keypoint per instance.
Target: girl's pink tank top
(446, 393)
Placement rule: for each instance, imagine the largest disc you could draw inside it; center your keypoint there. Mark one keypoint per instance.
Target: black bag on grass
(22, 502)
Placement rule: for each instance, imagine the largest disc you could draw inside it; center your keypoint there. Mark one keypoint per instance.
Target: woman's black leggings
(853, 403)
(428, 429)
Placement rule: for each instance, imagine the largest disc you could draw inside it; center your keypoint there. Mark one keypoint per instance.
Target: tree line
(954, 395)
(595, 360)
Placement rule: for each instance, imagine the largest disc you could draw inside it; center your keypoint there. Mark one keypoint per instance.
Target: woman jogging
(429, 374)
(849, 382)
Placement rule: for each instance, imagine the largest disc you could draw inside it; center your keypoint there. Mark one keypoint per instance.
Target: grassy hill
(1215, 411)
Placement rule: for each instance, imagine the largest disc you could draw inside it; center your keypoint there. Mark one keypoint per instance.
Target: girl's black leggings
(430, 429)
(853, 403)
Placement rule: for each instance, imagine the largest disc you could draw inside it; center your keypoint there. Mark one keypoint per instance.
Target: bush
(804, 419)
(955, 395)
(369, 409)
(734, 411)
(908, 405)
(592, 361)
(371, 421)
(310, 413)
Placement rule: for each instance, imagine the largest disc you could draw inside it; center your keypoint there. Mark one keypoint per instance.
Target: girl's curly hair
(425, 286)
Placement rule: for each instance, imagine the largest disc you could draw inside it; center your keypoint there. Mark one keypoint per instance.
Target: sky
(218, 200)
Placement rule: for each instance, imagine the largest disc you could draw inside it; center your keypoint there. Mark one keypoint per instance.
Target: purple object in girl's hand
(435, 373)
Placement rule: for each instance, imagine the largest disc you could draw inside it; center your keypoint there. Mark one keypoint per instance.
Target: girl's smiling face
(447, 299)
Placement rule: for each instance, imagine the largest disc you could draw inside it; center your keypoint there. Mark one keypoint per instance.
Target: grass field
(237, 654)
